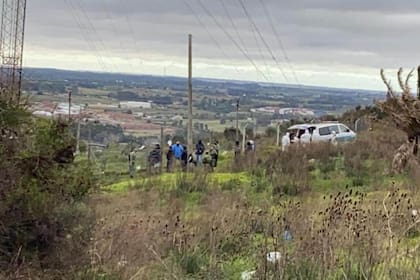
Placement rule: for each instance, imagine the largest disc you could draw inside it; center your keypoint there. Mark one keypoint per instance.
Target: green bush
(230, 185)
(41, 191)
(259, 180)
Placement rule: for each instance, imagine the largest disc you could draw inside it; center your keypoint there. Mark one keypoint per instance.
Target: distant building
(63, 109)
(266, 110)
(135, 105)
(300, 112)
(140, 114)
(284, 111)
(297, 112)
(42, 114)
(177, 118)
(276, 122)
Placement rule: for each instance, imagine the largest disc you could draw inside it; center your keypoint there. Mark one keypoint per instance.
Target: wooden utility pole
(244, 136)
(78, 131)
(69, 105)
(278, 134)
(89, 142)
(237, 120)
(255, 129)
(161, 148)
(190, 116)
(418, 83)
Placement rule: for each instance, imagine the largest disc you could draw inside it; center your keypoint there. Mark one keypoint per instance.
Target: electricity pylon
(12, 30)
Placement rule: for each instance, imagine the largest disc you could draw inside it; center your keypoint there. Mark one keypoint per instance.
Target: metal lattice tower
(12, 31)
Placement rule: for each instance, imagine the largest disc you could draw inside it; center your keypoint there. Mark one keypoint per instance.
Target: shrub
(41, 192)
(192, 262)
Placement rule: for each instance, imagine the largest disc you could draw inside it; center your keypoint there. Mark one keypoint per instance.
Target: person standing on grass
(184, 158)
(177, 149)
(334, 138)
(199, 151)
(154, 158)
(237, 149)
(285, 141)
(217, 148)
(253, 146)
(132, 163)
(248, 147)
(169, 159)
(214, 153)
(208, 160)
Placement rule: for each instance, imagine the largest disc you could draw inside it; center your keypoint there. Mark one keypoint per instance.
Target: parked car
(320, 132)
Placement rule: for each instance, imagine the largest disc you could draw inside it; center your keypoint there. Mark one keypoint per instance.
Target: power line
(280, 42)
(207, 31)
(131, 29)
(254, 34)
(262, 38)
(85, 34)
(95, 32)
(233, 25)
(240, 37)
(231, 39)
(114, 27)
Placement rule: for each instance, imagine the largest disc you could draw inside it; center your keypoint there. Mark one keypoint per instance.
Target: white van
(320, 132)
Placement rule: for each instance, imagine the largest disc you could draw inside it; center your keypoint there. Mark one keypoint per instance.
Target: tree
(404, 109)
(230, 134)
(270, 131)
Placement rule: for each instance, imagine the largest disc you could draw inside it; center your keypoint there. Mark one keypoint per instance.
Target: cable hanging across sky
(86, 36)
(90, 28)
(232, 39)
(107, 51)
(208, 31)
(226, 10)
(263, 40)
(279, 40)
(107, 11)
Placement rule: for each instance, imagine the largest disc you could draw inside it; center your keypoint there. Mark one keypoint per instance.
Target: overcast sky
(339, 43)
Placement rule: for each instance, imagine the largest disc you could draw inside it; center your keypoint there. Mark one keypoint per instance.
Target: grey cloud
(367, 34)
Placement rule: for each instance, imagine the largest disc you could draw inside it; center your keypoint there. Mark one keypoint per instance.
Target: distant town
(141, 105)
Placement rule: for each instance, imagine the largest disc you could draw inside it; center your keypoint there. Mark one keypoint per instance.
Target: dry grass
(196, 228)
(142, 240)
(134, 233)
(199, 230)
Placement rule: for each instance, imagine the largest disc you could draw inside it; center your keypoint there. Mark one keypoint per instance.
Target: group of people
(249, 148)
(177, 154)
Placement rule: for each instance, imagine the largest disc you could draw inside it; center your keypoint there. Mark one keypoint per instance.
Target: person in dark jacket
(169, 159)
(237, 149)
(184, 158)
(199, 151)
(132, 163)
(154, 158)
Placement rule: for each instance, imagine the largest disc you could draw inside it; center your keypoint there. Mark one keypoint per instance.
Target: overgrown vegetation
(329, 212)
(318, 211)
(404, 110)
(44, 220)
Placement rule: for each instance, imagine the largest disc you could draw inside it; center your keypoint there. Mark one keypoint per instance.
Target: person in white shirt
(285, 141)
(334, 138)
